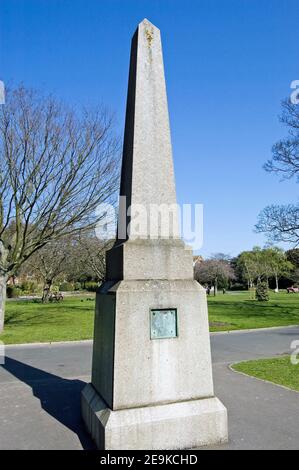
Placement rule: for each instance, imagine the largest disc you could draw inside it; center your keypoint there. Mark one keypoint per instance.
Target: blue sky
(228, 65)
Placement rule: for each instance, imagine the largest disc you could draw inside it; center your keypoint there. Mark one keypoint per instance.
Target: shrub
(12, 292)
(66, 286)
(77, 286)
(29, 287)
(262, 292)
(91, 286)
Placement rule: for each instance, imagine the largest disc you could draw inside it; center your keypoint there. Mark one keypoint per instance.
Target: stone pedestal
(180, 425)
(152, 385)
(152, 393)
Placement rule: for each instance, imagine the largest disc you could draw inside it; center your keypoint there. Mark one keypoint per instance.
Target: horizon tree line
(250, 269)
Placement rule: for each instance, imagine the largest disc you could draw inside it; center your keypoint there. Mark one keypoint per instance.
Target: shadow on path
(59, 397)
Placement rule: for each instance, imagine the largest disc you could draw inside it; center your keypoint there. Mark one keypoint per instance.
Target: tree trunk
(215, 287)
(46, 291)
(3, 281)
(277, 286)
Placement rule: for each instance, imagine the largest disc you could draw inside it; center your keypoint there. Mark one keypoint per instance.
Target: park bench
(55, 297)
(292, 289)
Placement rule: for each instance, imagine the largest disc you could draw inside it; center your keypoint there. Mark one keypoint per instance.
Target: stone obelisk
(152, 385)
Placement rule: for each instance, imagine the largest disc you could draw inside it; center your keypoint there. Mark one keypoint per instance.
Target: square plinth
(137, 362)
(181, 425)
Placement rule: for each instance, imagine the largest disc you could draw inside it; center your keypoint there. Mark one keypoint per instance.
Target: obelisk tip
(146, 23)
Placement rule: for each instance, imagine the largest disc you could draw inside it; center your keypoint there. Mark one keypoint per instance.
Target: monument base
(180, 425)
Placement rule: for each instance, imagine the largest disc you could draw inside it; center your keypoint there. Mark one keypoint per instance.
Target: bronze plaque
(163, 323)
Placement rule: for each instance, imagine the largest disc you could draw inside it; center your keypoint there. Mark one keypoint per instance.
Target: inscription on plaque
(163, 323)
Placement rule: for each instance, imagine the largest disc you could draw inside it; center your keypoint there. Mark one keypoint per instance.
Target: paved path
(261, 415)
(40, 394)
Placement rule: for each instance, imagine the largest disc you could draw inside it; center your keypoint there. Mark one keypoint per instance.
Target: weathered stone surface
(147, 168)
(150, 393)
(144, 371)
(181, 425)
(150, 259)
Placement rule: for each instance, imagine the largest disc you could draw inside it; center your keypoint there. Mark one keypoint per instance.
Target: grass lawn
(72, 319)
(278, 370)
(235, 311)
(31, 322)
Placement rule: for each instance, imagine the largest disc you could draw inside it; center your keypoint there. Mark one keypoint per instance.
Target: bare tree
(281, 222)
(56, 166)
(49, 262)
(89, 257)
(93, 253)
(285, 153)
(214, 270)
(68, 258)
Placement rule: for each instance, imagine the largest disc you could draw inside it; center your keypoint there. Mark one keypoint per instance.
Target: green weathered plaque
(163, 323)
